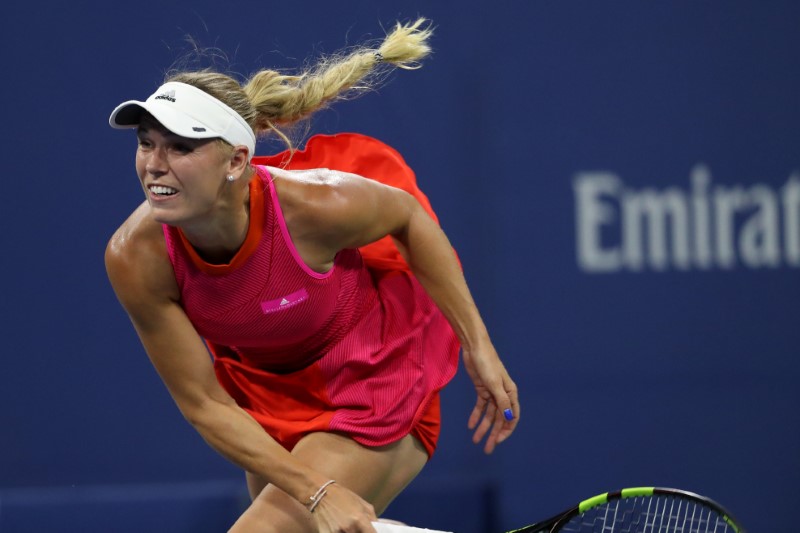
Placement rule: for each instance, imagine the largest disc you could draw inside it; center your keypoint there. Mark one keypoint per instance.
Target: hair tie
(378, 57)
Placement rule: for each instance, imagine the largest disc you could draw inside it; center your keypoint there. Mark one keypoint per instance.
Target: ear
(238, 162)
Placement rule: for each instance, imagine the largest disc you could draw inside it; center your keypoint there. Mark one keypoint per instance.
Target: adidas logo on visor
(166, 95)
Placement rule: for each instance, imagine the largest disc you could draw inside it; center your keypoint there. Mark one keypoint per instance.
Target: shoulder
(137, 262)
(325, 192)
(333, 210)
(138, 239)
(308, 196)
(315, 181)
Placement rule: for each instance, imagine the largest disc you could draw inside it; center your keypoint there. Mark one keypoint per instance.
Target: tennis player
(333, 304)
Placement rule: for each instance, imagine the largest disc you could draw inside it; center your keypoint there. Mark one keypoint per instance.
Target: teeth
(161, 190)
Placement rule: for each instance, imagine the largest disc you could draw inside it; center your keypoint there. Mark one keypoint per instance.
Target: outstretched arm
(346, 211)
(433, 261)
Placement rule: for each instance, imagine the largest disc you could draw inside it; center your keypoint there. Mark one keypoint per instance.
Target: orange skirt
(291, 406)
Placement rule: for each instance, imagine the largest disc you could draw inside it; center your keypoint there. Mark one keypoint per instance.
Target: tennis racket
(641, 510)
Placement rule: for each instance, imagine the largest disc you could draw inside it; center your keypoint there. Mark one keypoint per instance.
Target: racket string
(656, 514)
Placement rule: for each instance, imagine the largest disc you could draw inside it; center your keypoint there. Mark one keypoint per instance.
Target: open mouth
(161, 190)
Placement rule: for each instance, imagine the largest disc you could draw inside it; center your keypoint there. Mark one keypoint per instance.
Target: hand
(497, 395)
(343, 511)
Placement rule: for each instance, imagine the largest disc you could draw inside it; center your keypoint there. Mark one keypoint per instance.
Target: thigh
(375, 474)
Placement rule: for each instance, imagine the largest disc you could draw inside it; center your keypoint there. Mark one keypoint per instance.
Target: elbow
(201, 413)
(194, 416)
(195, 410)
(411, 212)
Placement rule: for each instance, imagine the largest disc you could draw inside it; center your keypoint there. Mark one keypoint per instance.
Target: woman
(327, 359)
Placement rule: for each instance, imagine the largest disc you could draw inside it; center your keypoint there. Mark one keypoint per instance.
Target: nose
(156, 162)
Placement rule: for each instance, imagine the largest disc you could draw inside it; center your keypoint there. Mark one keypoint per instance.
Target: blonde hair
(270, 100)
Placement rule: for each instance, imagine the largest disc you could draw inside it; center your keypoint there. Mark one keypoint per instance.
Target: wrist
(475, 342)
(302, 483)
(317, 497)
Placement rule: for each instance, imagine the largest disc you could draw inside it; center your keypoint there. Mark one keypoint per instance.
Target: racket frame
(553, 524)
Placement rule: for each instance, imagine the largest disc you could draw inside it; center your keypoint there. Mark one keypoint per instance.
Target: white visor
(189, 112)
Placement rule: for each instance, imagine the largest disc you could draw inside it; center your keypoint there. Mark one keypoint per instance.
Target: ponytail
(281, 99)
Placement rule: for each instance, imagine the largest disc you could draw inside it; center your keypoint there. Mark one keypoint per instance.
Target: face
(183, 179)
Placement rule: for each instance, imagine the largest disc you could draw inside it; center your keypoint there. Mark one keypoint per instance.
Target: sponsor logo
(279, 304)
(166, 95)
(704, 226)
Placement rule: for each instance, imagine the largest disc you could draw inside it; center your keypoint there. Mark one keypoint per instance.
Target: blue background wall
(679, 373)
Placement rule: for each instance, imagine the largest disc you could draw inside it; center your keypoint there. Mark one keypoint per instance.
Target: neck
(217, 239)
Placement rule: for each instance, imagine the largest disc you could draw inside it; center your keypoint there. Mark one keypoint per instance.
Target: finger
(477, 412)
(501, 394)
(496, 426)
(510, 425)
(370, 512)
(368, 527)
(489, 415)
(500, 431)
(504, 394)
(507, 419)
(506, 430)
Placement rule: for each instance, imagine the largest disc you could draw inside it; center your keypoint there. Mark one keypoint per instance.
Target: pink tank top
(266, 308)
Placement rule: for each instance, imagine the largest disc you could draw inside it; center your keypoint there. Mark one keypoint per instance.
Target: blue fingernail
(509, 414)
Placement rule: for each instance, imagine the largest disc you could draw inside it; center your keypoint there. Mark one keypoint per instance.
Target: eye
(182, 148)
(144, 143)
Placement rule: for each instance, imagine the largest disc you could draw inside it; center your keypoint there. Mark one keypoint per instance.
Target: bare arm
(142, 278)
(431, 258)
(345, 211)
